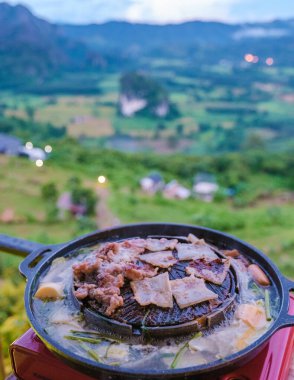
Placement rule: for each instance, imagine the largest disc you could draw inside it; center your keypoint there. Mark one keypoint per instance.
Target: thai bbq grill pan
(129, 320)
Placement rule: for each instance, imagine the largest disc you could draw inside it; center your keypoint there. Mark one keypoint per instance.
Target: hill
(34, 48)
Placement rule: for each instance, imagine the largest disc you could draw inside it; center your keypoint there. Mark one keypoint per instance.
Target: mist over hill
(32, 48)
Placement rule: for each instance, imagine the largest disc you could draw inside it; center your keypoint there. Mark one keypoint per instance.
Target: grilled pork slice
(123, 252)
(139, 272)
(163, 244)
(194, 251)
(211, 270)
(191, 290)
(155, 290)
(162, 259)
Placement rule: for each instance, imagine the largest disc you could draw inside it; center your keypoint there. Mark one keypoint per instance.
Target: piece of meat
(82, 291)
(194, 251)
(139, 272)
(190, 291)
(195, 240)
(140, 243)
(106, 280)
(86, 267)
(110, 297)
(124, 252)
(162, 259)
(155, 290)
(214, 271)
(107, 248)
(162, 244)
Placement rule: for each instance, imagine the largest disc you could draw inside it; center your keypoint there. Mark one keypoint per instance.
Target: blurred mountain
(207, 41)
(34, 48)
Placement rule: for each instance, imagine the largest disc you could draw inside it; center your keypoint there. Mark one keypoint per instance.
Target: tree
(254, 141)
(160, 127)
(30, 111)
(49, 194)
(82, 196)
(180, 130)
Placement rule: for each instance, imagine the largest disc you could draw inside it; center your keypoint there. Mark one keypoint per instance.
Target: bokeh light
(249, 57)
(101, 179)
(48, 148)
(39, 163)
(269, 61)
(29, 145)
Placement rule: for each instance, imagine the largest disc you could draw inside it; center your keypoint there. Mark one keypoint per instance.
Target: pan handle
(27, 266)
(19, 247)
(287, 320)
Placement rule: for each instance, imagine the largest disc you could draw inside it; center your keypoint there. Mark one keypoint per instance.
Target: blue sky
(159, 11)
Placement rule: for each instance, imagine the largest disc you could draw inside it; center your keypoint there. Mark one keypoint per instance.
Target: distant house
(9, 145)
(152, 183)
(205, 186)
(33, 153)
(174, 190)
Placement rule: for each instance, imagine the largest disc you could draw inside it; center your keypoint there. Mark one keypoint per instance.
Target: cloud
(158, 11)
(163, 11)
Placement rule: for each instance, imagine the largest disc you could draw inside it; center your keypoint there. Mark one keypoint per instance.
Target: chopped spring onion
(92, 334)
(82, 339)
(256, 289)
(91, 352)
(182, 350)
(110, 344)
(267, 305)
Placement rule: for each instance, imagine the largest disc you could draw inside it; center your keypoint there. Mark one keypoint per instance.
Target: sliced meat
(126, 252)
(155, 290)
(80, 270)
(140, 243)
(194, 251)
(139, 272)
(195, 240)
(162, 259)
(211, 270)
(160, 244)
(109, 297)
(191, 290)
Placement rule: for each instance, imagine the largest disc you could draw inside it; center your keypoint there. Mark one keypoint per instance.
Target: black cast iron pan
(39, 258)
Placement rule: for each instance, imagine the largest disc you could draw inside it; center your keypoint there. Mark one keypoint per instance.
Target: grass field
(96, 116)
(20, 188)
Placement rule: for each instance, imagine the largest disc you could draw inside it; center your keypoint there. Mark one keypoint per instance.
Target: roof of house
(204, 177)
(9, 144)
(156, 177)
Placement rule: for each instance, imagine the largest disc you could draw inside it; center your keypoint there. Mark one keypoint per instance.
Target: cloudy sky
(159, 11)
